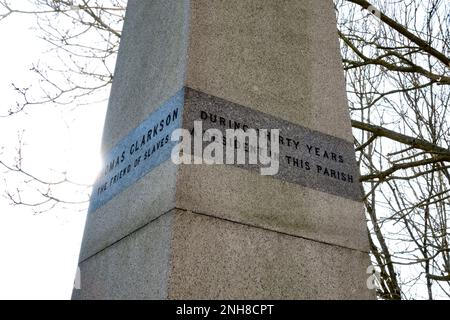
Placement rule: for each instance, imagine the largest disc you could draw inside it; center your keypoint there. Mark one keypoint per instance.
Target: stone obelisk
(158, 230)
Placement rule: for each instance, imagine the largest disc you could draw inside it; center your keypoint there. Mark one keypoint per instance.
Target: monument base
(186, 255)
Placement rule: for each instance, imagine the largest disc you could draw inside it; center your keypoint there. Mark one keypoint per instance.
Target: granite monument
(158, 229)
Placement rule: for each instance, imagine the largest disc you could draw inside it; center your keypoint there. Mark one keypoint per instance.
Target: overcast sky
(39, 252)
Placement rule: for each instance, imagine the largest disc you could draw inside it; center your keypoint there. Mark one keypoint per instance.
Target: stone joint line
(223, 219)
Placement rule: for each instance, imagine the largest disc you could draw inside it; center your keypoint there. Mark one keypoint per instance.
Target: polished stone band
(139, 152)
(308, 158)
